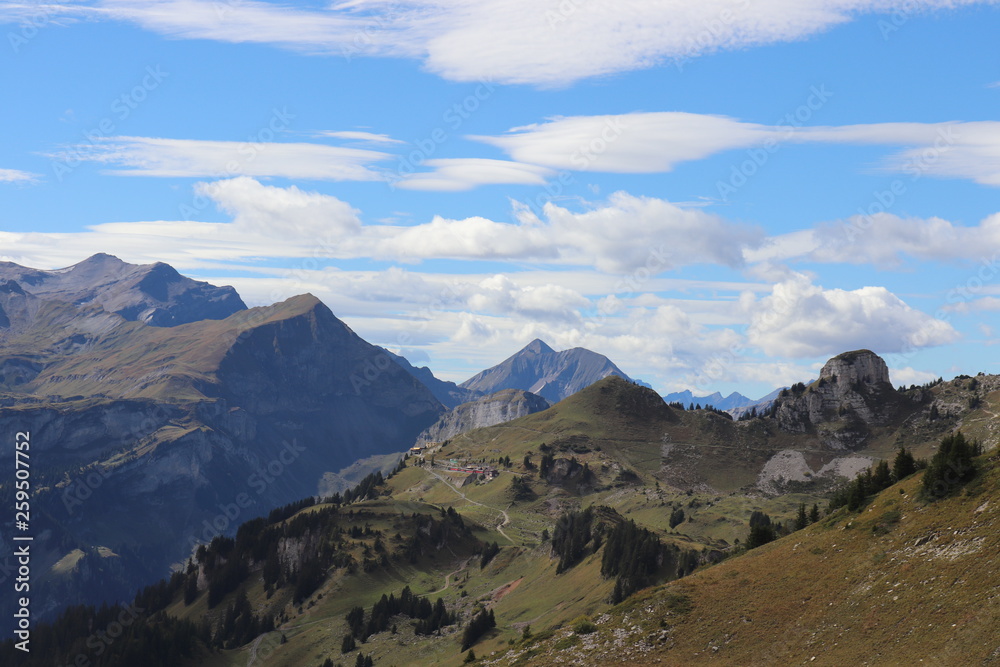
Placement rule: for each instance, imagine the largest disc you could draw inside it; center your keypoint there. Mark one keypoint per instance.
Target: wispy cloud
(455, 174)
(355, 135)
(650, 142)
(152, 156)
(18, 176)
(549, 43)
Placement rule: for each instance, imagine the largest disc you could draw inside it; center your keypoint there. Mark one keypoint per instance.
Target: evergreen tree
(814, 514)
(904, 465)
(801, 520)
(950, 467)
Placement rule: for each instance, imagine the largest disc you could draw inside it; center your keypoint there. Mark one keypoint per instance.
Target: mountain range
(256, 450)
(612, 528)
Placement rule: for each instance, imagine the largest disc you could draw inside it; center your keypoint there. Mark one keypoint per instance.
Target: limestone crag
(853, 394)
(497, 408)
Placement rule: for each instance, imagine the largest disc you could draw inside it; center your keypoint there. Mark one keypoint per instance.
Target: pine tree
(801, 520)
(814, 514)
(904, 465)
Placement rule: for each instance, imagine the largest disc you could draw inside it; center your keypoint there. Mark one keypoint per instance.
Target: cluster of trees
(431, 533)
(430, 617)
(479, 624)
(571, 536)
(489, 551)
(633, 555)
(240, 625)
(951, 466)
(880, 476)
(520, 488)
(113, 635)
(762, 530)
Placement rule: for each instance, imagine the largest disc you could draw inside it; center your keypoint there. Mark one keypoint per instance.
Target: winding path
(253, 650)
(506, 517)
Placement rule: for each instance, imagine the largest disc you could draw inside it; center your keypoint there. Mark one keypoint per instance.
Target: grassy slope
(835, 593)
(521, 583)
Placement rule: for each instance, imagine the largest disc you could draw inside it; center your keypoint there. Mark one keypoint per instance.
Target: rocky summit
(541, 370)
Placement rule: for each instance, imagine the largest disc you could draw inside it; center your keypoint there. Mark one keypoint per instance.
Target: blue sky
(718, 195)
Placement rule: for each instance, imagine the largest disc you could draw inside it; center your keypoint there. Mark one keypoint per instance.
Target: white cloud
(637, 238)
(652, 142)
(641, 234)
(354, 135)
(272, 211)
(906, 376)
(547, 42)
(455, 174)
(150, 156)
(18, 176)
(800, 319)
(884, 240)
(627, 143)
(986, 304)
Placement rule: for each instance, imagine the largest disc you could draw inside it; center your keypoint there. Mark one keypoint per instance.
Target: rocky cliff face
(147, 439)
(852, 394)
(497, 408)
(541, 370)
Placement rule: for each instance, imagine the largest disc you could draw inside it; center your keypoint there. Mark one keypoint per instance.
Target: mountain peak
(862, 366)
(541, 370)
(155, 294)
(537, 346)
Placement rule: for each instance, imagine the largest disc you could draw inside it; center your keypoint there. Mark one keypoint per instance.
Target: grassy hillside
(904, 582)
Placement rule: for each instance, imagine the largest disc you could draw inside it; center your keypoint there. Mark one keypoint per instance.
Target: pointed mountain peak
(101, 258)
(537, 346)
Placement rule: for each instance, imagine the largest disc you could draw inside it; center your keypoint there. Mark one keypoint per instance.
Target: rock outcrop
(491, 410)
(852, 395)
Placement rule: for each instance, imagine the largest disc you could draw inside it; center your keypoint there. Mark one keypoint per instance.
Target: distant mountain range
(735, 404)
(154, 294)
(539, 369)
(716, 400)
(157, 404)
